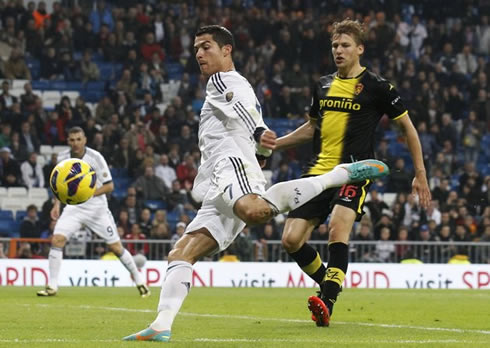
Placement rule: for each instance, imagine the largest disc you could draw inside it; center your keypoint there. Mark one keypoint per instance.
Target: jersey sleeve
(315, 105)
(235, 98)
(390, 102)
(103, 172)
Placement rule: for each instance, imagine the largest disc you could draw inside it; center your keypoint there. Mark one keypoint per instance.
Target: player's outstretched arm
(300, 135)
(55, 211)
(420, 186)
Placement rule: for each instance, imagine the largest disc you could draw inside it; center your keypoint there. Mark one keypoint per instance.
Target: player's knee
(58, 241)
(290, 242)
(337, 231)
(253, 212)
(116, 248)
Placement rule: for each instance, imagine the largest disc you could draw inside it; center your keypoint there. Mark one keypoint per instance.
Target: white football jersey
(229, 117)
(96, 161)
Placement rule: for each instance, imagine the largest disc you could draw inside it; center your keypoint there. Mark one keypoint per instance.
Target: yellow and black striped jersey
(347, 111)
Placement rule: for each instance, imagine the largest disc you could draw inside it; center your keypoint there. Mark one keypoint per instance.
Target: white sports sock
(127, 260)
(175, 288)
(55, 258)
(289, 195)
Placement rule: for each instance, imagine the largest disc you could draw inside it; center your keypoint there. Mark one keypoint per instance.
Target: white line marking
(283, 320)
(241, 340)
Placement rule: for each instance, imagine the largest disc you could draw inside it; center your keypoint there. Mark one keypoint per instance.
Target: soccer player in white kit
(94, 214)
(230, 183)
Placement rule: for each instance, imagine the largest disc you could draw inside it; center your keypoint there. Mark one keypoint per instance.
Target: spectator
(283, 173)
(40, 14)
(48, 168)
(376, 206)
(472, 133)
(320, 233)
(150, 186)
(51, 68)
(16, 67)
(150, 47)
(400, 179)
(186, 171)
(6, 99)
(101, 15)
(123, 222)
(5, 135)
(136, 235)
(466, 60)
(145, 221)
(28, 138)
(179, 199)
(244, 245)
(10, 169)
(89, 70)
(28, 99)
(385, 249)
(30, 227)
(139, 136)
(104, 110)
(32, 173)
(179, 232)
(165, 172)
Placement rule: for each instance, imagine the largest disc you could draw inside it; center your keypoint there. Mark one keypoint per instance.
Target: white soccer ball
(139, 260)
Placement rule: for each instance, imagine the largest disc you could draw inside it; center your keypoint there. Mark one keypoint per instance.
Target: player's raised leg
(177, 282)
(289, 195)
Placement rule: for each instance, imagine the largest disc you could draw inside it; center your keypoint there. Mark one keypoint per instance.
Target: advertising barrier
(19, 272)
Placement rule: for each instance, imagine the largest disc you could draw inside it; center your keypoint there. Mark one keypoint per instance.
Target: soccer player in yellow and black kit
(345, 110)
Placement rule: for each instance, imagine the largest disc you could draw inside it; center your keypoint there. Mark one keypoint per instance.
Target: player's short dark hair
(75, 129)
(351, 28)
(220, 34)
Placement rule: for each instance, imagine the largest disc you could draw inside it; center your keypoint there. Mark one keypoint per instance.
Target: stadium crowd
(436, 55)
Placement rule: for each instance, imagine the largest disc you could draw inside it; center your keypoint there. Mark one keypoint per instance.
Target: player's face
(77, 143)
(209, 56)
(345, 51)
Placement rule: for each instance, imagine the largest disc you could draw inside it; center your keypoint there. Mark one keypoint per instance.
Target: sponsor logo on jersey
(358, 88)
(338, 103)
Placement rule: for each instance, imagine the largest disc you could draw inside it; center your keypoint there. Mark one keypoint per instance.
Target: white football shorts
(232, 178)
(99, 221)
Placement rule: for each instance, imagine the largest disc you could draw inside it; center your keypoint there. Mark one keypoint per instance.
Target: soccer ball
(73, 181)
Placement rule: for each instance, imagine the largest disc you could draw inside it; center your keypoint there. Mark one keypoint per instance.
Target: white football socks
(127, 260)
(175, 288)
(55, 258)
(289, 195)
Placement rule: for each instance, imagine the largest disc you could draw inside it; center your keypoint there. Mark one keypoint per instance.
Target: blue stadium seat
(95, 86)
(41, 85)
(20, 215)
(6, 215)
(119, 173)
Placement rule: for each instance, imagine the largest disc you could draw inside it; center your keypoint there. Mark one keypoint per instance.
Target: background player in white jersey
(94, 214)
(230, 183)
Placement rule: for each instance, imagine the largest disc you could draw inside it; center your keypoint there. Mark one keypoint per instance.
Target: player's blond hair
(351, 28)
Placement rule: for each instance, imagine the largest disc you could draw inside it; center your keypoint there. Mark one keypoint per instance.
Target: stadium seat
(38, 193)
(46, 150)
(3, 191)
(51, 95)
(59, 148)
(16, 92)
(41, 85)
(19, 84)
(17, 192)
(41, 160)
(389, 198)
(13, 204)
(20, 215)
(6, 215)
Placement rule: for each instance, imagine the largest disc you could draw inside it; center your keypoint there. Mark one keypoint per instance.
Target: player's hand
(268, 139)
(55, 212)
(420, 187)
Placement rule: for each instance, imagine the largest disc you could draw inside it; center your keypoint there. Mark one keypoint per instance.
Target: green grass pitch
(247, 317)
